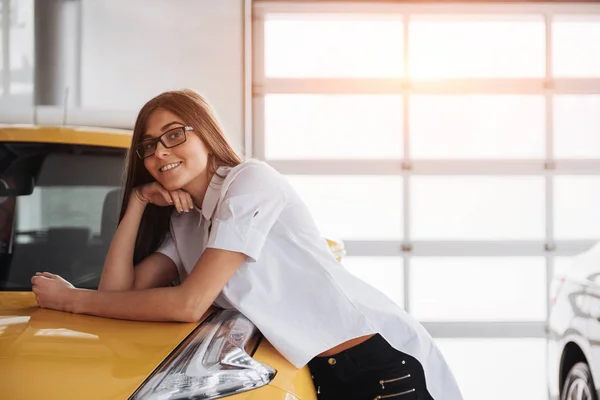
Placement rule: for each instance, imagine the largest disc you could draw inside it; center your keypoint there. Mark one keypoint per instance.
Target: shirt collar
(213, 192)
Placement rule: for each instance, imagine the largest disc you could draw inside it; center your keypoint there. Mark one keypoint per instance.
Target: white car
(574, 331)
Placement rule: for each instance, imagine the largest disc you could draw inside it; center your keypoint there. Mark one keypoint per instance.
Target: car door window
(65, 226)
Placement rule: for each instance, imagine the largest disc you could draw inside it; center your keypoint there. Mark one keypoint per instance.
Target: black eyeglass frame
(140, 151)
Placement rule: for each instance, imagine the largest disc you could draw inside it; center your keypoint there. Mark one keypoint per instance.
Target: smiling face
(180, 166)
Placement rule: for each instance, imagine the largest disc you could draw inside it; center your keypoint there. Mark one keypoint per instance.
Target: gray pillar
(57, 52)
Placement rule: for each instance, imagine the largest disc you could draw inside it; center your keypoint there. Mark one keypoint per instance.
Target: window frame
(549, 167)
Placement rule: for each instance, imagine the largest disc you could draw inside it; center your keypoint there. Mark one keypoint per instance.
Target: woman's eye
(174, 135)
(147, 146)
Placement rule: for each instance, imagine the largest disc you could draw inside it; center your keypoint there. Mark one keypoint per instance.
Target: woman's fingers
(166, 195)
(177, 200)
(46, 274)
(189, 203)
(180, 199)
(183, 201)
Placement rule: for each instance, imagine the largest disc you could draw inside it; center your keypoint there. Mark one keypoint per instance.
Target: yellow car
(59, 207)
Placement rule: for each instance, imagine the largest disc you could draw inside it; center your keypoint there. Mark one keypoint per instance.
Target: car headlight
(211, 363)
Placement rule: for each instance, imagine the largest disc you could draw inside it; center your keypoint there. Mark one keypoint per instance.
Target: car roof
(90, 136)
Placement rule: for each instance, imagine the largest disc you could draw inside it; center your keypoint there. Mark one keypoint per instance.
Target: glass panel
(1, 56)
(477, 208)
(577, 126)
(60, 230)
(576, 46)
(301, 126)
(70, 206)
(577, 207)
(498, 369)
(66, 225)
(374, 212)
(482, 289)
(333, 46)
(21, 52)
(384, 273)
(477, 126)
(477, 46)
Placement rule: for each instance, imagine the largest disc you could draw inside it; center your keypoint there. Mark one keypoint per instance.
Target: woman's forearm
(159, 304)
(118, 273)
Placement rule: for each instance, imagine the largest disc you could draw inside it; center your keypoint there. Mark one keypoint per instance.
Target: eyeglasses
(169, 139)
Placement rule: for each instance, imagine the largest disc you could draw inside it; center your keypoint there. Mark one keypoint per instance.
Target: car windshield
(66, 224)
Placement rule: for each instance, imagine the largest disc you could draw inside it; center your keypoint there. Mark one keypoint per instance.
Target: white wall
(132, 50)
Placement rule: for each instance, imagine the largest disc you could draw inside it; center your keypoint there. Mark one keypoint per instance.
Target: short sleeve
(252, 203)
(169, 249)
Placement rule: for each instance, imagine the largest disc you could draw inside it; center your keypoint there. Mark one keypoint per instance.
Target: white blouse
(291, 287)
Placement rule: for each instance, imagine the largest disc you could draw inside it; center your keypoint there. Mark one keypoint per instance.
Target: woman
(236, 234)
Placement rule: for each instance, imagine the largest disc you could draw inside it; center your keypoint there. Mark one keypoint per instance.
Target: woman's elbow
(189, 318)
(189, 314)
(191, 310)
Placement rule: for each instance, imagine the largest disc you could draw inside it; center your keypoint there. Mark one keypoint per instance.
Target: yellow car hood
(53, 355)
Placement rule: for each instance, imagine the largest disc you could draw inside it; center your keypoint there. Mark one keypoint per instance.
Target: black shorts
(372, 370)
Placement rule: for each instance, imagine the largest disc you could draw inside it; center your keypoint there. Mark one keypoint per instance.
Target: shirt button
(331, 361)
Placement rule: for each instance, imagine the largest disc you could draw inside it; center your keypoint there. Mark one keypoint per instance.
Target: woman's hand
(156, 194)
(52, 291)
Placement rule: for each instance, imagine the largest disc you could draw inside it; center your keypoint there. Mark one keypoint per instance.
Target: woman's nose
(161, 150)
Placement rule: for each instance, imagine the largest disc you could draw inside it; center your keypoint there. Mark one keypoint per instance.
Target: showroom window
(456, 151)
(16, 53)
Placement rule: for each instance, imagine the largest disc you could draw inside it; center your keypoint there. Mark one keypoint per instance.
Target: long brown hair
(196, 112)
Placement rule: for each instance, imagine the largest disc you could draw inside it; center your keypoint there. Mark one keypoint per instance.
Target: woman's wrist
(75, 301)
(137, 197)
(136, 206)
